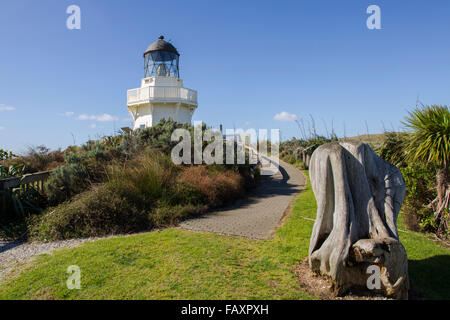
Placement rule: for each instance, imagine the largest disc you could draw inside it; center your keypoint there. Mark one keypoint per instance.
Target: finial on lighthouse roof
(161, 37)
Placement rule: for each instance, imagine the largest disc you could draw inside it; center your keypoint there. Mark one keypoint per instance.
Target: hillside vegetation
(121, 184)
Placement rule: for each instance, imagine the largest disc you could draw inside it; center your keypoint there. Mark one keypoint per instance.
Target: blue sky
(249, 60)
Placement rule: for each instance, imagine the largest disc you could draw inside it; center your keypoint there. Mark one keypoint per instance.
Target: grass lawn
(428, 264)
(179, 264)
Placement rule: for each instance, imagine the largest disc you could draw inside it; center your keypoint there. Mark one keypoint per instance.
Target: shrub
(289, 146)
(392, 148)
(420, 187)
(291, 150)
(85, 166)
(37, 159)
(419, 180)
(17, 207)
(94, 157)
(198, 181)
(65, 182)
(229, 186)
(249, 174)
(215, 188)
(157, 136)
(98, 211)
(42, 159)
(145, 179)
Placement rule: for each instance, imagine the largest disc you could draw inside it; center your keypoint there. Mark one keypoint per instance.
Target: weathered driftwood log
(358, 198)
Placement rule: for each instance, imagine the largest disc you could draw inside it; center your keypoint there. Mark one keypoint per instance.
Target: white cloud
(248, 123)
(106, 117)
(93, 126)
(85, 117)
(102, 117)
(285, 117)
(68, 114)
(4, 107)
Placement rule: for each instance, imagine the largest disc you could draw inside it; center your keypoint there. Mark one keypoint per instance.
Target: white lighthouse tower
(161, 95)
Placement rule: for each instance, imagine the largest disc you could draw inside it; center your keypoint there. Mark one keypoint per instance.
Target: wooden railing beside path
(33, 180)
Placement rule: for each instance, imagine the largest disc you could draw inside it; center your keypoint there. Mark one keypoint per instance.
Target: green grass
(428, 264)
(178, 264)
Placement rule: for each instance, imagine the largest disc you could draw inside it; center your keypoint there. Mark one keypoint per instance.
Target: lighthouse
(161, 95)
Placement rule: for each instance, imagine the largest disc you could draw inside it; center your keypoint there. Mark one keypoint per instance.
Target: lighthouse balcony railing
(161, 94)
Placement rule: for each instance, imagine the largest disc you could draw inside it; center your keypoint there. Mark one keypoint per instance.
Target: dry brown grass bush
(217, 187)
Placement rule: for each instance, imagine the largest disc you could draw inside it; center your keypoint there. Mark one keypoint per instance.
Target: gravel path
(258, 216)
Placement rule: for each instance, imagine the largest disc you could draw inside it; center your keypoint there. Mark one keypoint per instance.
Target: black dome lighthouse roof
(161, 45)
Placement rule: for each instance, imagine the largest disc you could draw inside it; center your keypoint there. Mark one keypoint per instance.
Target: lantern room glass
(161, 63)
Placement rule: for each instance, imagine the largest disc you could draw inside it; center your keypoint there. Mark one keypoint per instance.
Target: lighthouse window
(142, 126)
(161, 63)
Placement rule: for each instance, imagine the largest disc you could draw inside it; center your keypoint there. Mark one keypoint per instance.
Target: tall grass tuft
(215, 187)
(145, 179)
